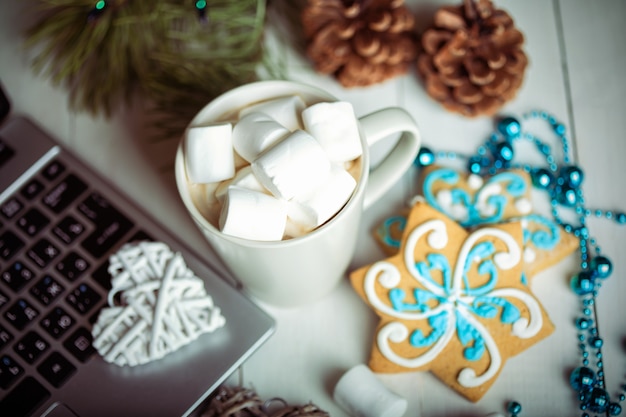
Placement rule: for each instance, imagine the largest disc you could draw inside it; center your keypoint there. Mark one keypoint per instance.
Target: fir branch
(137, 45)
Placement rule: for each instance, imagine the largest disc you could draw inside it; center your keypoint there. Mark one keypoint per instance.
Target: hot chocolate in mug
(300, 270)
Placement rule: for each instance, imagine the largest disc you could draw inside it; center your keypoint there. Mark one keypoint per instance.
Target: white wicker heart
(155, 306)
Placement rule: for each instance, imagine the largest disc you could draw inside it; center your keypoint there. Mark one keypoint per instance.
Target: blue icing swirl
(482, 251)
(386, 232)
(487, 307)
(438, 324)
(469, 335)
(437, 262)
(546, 238)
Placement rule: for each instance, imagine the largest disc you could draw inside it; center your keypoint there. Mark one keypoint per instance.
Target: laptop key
(32, 222)
(64, 193)
(68, 229)
(10, 243)
(57, 322)
(83, 298)
(53, 170)
(4, 299)
(111, 225)
(21, 313)
(31, 347)
(80, 345)
(46, 290)
(17, 276)
(9, 371)
(72, 266)
(5, 337)
(11, 207)
(24, 398)
(56, 369)
(43, 252)
(32, 189)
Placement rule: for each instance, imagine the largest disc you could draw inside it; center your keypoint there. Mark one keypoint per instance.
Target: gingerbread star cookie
(473, 200)
(451, 302)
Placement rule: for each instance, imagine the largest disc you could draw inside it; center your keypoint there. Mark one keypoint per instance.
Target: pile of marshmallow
(281, 168)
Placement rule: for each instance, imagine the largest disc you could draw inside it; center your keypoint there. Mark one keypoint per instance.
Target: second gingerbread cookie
(451, 302)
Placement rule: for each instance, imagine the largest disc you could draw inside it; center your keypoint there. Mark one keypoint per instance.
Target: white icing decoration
(386, 273)
(437, 239)
(456, 211)
(529, 255)
(504, 260)
(482, 203)
(454, 300)
(523, 205)
(474, 181)
(397, 332)
(161, 307)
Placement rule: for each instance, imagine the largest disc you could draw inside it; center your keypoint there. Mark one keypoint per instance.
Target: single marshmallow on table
(243, 178)
(361, 394)
(252, 215)
(254, 133)
(335, 127)
(285, 110)
(209, 153)
(296, 165)
(308, 211)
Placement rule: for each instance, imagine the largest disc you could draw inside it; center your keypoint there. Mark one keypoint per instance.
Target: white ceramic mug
(297, 271)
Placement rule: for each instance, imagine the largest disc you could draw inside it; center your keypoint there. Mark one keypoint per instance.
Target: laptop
(59, 223)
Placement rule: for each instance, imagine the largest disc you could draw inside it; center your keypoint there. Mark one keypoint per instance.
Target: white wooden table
(577, 53)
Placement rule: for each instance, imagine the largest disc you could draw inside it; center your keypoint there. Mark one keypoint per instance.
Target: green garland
(179, 54)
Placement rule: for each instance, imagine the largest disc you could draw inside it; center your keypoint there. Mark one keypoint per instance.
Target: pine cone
(360, 42)
(472, 60)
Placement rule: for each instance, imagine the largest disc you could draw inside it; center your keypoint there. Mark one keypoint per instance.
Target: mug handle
(377, 126)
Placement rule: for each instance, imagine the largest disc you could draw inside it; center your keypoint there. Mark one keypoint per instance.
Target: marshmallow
(296, 165)
(285, 110)
(209, 153)
(361, 394)
(335, 127)
(252, 215)
(254, 133)
(244, 178)
(306, 212)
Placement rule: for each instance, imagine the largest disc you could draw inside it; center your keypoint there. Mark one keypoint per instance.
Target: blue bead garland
(563, 184)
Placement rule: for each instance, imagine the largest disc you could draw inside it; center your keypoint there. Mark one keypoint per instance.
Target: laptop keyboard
(55, 237)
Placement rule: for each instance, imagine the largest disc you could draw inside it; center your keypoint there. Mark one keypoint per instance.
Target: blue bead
(582, 379)
(583, 323)
(582, 283)
(425, 157)
(601, 266)
(478, 165)
(559, 129)
(542, 178)
(615, 409)
(620, 218)
(503, 152)
(572, 175)
(566, 196)
(596, 342)
(597, 400)
(514, 407)
(509, 126)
